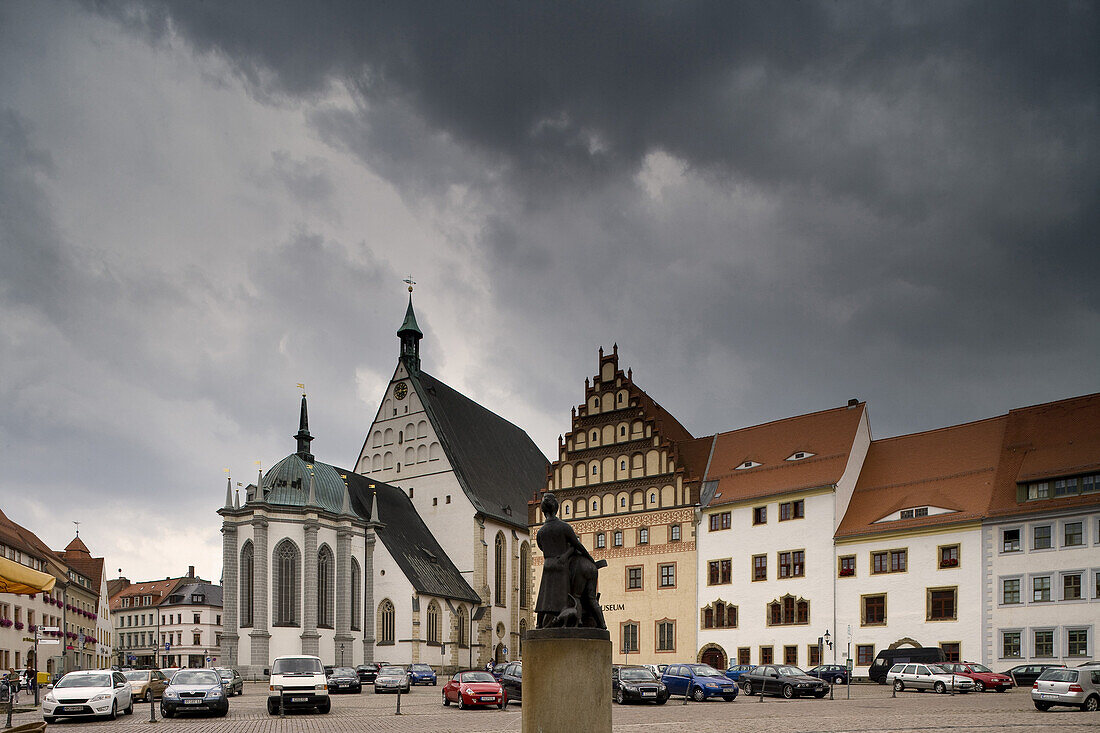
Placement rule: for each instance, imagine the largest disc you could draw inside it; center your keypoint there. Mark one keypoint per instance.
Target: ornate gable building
(628, 478)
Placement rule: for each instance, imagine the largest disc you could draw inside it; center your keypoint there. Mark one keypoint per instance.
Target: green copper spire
(410, 321)
(410, 335)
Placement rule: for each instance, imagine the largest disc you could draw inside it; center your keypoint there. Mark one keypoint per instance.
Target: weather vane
(302, 386)
(77, 527)
(410, 282)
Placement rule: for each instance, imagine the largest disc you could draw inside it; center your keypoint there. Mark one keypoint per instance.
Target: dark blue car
(735, 672)
(699, 681)
(837, 674)
(421, 674)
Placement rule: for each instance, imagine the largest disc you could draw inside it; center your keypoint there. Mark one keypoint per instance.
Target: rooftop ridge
(777, 421)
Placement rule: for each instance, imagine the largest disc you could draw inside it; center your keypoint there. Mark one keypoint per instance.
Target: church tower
(410, 335)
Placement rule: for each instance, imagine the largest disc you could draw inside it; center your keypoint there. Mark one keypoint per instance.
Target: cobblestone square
(871, 708)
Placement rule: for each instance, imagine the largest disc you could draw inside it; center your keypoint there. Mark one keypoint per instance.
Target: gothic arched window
(461, 622)
(326, 587)
(286, 583)
(501, 567)
(386, 622)
(433, 623)
(246, 574)
(356, 594)
(524, 575)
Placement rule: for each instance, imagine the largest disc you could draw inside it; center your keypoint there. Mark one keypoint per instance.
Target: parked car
(637, 684)
(511, 679)
(392, 679)
(297, 681)
(422, 674)
(344, 679)
(887, 658)
(835, 673)
(735, 672)
(194, 690)
(1026, 674)
(473, 687)
(99, 693)
(231, 681)
(984, 678)
(927, 677)
(166, 671)
(782, 679)
(498, 670)
(1078, 687)
(367, 672)
(146, 684)
(700, 681)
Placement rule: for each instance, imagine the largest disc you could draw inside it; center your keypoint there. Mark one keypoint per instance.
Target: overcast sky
(770, 207)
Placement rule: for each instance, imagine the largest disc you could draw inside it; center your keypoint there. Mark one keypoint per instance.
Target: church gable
(402, 442)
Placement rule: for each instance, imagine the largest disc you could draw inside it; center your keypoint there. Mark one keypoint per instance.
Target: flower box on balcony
(18, 625)
(949, 563)
(847, 573)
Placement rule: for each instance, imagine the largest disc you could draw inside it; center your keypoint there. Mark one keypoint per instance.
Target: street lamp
(341, 654)
(828, 639)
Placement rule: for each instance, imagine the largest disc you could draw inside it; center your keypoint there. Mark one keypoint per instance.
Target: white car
(927, 677)
(86, 693)
(297, 681)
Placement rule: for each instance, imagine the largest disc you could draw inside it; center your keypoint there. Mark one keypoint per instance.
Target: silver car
(392, 678)
(927, 677)
(1061, 686)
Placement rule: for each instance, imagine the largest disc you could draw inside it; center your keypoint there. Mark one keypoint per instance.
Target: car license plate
(1049, 697)
(192, 702)
(490, 698)
(72, 708)
(299, 699)
(649, 694)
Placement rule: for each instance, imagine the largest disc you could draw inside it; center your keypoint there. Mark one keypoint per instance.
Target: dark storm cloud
(877, 193)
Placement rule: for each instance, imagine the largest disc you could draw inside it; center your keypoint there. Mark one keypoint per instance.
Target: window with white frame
(1010, 645)
(1010, 540)
(1071, 586)
(1073, 534)
(1041, 538)
(1040, 589)
(1010, 591)
(1077, 642)
(1043, 643)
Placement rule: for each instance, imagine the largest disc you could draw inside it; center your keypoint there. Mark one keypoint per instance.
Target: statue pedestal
(567, 681)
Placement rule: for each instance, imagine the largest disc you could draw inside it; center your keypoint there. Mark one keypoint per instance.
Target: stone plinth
(567, 681)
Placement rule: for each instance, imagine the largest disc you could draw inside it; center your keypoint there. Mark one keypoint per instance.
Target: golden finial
(410, 282)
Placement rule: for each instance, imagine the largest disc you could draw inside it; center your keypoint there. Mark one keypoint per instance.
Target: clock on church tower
(401, 390)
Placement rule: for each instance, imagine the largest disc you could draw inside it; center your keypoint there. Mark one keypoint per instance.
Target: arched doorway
(713, 655)
(498, 654)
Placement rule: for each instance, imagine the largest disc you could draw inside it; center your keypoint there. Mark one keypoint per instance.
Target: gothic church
(419, 554)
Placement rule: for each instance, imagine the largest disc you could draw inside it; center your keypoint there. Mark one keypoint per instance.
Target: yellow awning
(16, 578)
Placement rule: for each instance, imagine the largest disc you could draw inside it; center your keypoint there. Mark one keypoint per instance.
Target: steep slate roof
(828, 435)
(408, 540)
(497, 464)
(212, 593)
(1047, 441)
(19, 537)
(951, 468)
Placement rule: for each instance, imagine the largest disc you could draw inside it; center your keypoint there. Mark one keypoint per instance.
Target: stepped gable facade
(627, 477)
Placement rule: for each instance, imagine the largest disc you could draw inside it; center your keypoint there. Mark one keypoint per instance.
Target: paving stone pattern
(870, 709)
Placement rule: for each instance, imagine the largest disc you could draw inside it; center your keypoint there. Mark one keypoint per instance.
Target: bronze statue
(567, 593)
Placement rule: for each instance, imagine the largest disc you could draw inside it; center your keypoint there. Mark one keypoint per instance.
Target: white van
(300, 682)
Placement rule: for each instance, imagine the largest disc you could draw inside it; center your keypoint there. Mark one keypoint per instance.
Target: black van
(887, 658)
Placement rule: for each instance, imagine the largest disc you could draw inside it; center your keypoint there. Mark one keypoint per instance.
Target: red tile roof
(1047, 441)
(19, 537)
(158, 589)
(951, 468)
(828, 435)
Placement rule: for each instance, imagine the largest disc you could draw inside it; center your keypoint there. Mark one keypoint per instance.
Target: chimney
(853, 402)
(190, 571)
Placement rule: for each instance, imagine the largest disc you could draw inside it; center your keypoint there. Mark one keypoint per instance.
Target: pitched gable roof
(408, 540)
(496, 463)
(1047, 441)
(828, 435)
(950, 468)
(19, 537)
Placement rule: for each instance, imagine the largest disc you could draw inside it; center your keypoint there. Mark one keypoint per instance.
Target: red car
(473, 687)
(984, 678)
